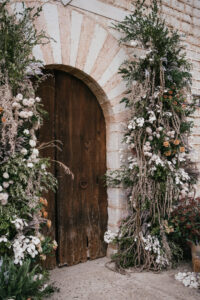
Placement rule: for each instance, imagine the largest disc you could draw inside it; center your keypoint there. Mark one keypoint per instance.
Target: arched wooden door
(79, 209)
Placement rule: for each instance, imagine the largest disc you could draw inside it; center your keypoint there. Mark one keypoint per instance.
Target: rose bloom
(176, 142)
(166, 144)
(182, 149)
(170, 92)
(168, 153)
(49, 223)
(45, 214)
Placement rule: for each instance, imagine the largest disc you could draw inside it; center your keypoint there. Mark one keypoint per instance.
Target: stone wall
(88, 48)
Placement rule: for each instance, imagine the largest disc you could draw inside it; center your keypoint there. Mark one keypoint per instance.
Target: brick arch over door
(90, 50)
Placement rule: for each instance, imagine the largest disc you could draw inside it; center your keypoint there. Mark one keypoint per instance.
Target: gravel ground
(93, 281)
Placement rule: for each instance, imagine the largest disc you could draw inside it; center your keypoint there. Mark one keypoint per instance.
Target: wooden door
(79, 208)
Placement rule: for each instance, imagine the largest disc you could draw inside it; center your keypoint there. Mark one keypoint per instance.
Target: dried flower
(176, 142)
(43, 257)
(49, 224)
(167, 153)
(166, 144)
(45, 214)
(182, 149)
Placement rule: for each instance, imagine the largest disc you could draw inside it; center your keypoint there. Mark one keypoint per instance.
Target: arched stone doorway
(79, 209)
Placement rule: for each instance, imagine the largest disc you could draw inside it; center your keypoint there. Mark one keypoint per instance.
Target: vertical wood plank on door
(69, 202)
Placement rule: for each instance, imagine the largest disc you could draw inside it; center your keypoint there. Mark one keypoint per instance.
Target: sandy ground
(92, 281)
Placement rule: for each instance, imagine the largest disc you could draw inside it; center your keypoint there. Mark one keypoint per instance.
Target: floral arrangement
(158, 170)
(24, 175)
(23, 178)
(185, 219)
(189, 279)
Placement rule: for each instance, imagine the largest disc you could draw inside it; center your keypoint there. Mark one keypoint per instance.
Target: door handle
(83, 184)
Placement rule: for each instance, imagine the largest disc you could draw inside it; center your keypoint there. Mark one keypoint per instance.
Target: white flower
(37, 99)
(19, 223)
(134, 43)
(167, 114)
(25, 102)
(35, 152)
(24, 246)
(189, 279)
(32, 143)
(26, 131)
(150, 138)
(23, 114)
(31, 102)
(43, 166)
(24, 151)
(5, 175)
(140, 122)
(19, 97)
(152, 116)
(149, 130)
(160, 128)
(1, 189)
(4, 198)
(3, 239)
(5, 184)
(30, 113)
(109, 236)
(16, 105)
(30, 165)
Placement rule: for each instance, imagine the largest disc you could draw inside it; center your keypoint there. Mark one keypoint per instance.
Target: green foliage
(150, 30)
(17, 39)
(185, 220)
(23, 282)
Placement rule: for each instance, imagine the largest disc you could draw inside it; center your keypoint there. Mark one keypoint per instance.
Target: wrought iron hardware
(83, 184)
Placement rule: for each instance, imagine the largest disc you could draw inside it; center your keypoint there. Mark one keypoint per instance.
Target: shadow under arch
(90, 82)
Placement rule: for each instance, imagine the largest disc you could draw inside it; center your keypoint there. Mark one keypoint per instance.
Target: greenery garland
(158, 171)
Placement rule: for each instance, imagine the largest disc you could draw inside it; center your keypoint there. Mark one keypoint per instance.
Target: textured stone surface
(92, 281)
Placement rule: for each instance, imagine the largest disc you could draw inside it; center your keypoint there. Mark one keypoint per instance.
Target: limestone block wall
(87, 47)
